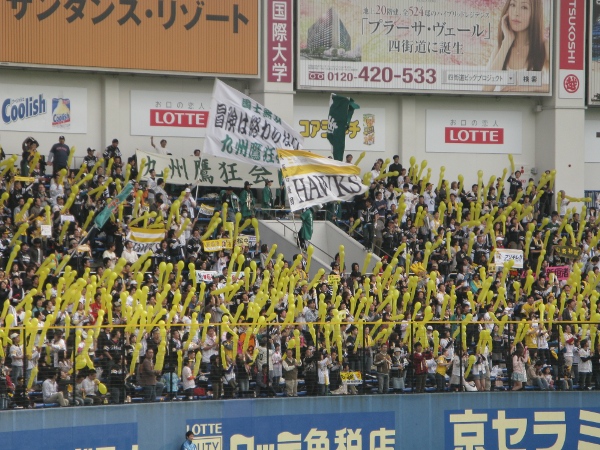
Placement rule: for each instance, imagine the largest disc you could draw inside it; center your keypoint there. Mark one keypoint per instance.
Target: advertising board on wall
(177, 114)
(572, 54)
(280, 41)
(456, 131)
(218, 37)
(366, 131)
(360, 431)
(593, 75)
(409, 45)
(46, 109)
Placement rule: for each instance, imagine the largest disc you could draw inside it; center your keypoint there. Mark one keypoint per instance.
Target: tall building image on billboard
(328, 32)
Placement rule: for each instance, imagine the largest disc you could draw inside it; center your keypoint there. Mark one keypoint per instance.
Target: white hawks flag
(145, 239)
(312, 179)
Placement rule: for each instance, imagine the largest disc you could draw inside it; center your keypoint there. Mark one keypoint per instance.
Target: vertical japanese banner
(572, 43)
(279, 53)
(593, 74)
(242, 129)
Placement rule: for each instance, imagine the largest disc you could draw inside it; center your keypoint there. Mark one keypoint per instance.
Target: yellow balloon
(102, 389)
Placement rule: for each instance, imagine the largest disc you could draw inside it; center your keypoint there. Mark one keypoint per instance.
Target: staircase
(326, 241)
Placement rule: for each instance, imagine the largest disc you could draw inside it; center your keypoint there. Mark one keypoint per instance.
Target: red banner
(572, 48)
(178, 118)
(561, 272)
(458, 135)
(279, 41)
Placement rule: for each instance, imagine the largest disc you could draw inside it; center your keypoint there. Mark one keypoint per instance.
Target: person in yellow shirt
(531, 338)
(443, 362)
(530, 306)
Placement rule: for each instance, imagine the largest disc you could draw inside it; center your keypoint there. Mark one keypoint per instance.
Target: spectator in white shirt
(50, 390)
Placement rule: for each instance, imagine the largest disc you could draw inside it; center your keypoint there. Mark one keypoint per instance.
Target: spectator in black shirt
(112, 150)
(59, 155)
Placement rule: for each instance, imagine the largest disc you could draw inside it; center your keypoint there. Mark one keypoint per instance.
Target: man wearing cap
(162, 148)
(189, 202)
(29, 148)
(247, 201)
(16, 356)
(267, 199)
(90, 159)
(112, 150)
(59, 155)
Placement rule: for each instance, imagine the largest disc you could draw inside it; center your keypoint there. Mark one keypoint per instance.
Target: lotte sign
(176, 118)
(492, 136)
(166, 114)
(452, 131)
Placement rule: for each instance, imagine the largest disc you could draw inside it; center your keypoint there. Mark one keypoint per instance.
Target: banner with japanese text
(334, 430)
(311, 179)
(204, 171)
(217, 37)
(145, 239)
(216, 245)
(560, 272)
(504, 255)
(366, 132)
(593, 74)
(280, 41)
(469, 46)
(522, 428)
(460, 131)
(166, 114)
(244, 130)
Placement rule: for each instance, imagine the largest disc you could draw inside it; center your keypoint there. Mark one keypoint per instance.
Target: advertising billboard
(45, 109)
(366, 131)
(179, 114)
(594, 56)
(218, 37)
(457, 131)
(495, 47)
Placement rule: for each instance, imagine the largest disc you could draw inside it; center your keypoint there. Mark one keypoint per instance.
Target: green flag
(340, 115)
(109, 209)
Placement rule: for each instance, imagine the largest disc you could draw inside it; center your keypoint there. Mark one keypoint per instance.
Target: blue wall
(415, 421)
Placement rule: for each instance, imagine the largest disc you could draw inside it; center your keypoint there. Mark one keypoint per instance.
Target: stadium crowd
(87, 320)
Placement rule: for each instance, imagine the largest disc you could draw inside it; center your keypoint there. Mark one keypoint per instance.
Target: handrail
(315, 246)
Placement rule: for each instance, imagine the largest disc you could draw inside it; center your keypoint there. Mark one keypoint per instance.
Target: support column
(111, 116)
(560, 141)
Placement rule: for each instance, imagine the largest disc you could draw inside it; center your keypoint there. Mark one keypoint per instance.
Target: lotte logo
(178, 118)
(571, 83)
(462, 135)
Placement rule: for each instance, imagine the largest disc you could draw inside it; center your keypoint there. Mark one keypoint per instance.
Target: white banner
(205, 276)
(206, 210)
(46, 109)
(242, 129)
(504, 255)
(313, 180)
(165, 114)
(145, 239)
(456, 131)
(366, 131)
(205, 171)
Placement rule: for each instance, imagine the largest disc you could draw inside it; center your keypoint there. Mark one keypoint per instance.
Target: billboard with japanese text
(350, 430)
(593, 75)
(496, 46)
(462, 131)
(158, 113)
(217, 37)
(366, 132)
(205, 171)
(520, 428)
